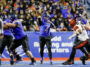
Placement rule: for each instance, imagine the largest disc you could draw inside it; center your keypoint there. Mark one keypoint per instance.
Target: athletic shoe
(41, 62)
(11, 60)
(51, 63)
(83, 59)
(33, 63)
(72, 61)
(67, 63)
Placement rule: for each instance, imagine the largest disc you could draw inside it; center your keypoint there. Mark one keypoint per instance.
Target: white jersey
(1, 26)
(83, 35)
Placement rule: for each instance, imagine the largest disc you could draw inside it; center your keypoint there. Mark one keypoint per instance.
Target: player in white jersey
(87, 46)
(80, 31)
(80, 41)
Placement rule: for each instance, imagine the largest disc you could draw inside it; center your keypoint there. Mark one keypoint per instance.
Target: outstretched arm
(72, 36)
(10, 25)
(76, 32)
(52, 24)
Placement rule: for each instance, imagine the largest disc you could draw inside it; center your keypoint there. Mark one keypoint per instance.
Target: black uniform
(45, 38)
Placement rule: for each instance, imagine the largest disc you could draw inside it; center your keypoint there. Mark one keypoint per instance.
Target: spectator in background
(21, 9)
(61, 27)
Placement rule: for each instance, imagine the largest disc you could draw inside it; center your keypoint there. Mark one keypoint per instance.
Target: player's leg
(49, 45)
(72, 55)
(0, 56)
(2, 46)
(9, 43)
(84, 57)
(25, 46)
(87, 46)
(42, 44)
(84, 51)
(17, 56)
(71, 58)
(12, 47)
(80, 46)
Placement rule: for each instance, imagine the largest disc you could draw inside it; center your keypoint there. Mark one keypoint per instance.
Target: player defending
(20, 39)
(80, 41)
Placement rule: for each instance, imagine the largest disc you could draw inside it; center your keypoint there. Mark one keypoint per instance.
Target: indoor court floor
(45, 64)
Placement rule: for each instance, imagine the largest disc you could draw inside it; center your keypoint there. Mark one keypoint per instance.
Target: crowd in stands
(31, 11)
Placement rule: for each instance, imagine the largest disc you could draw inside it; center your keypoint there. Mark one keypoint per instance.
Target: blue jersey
(8, 31)
(18, 32)
(45, 28)
(84, 21)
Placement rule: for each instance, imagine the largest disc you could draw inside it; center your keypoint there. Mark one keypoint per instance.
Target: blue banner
(61, 45)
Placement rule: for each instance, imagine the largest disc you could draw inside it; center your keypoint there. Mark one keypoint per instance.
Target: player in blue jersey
(20, 39)
(7, 41)
(45, 37)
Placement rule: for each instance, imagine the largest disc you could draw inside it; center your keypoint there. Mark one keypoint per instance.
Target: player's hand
(70, 38)
(1, 36)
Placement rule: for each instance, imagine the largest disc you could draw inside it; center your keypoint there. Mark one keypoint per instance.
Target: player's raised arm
(76, 29)
(12, 25)
(52, 24)
(87, 26)
(8, 25)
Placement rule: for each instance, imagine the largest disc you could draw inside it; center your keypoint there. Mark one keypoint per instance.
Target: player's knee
(41, 51)
(74, 48)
